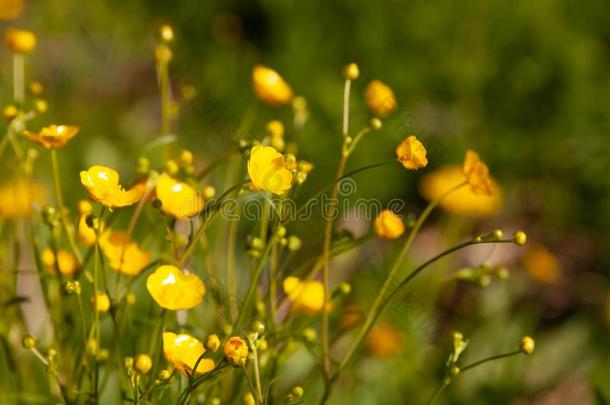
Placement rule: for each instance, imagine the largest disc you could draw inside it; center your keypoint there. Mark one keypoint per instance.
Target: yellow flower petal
(380, 98)
(65, 261)
(270, 87)
(102, 184)
(183, 351)
(388, 225)
(124, 255)
(477, 174)
(17, 198)
(267, 170)
(175, 290)
(53, 136)
(236, 350)
(19, 41)
(177, 198)
(307, 296)
(462, 201)
(411, 153)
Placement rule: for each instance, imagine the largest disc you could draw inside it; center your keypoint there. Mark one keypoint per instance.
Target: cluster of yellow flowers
(172, 197)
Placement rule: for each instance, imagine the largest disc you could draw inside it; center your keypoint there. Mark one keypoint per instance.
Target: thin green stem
(251, 386)
(19, 77)
(62, 209)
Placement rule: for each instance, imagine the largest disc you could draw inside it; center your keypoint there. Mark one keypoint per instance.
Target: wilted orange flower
(411, 153)
(307, 296)
(380, 98)
(53, 136)
(270, 87)
(103, 186)
(64, 261)
(18, 196)
(541, 264)
(268, 171)
(123, 254)
(19, 41)
(462, 201)
(177, 198)
(236, 350)
(183, 351)
(477, 174)
(384, 340)
(388, 225)
(175, 290)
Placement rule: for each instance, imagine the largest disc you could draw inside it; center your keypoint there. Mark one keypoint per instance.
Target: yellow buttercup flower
(384, 341)
(307, 295)
(18, 197)
(411, 153)
(19, 41)
(380, 98)
(175, 290)
(53, 136)
(101, 302)
(103, 186)
(477, 174)
(142, 363)
(462, 201)
(541, 264)
(268, 171)
(183, 351)
(388, 225)
(123, 254)
(270, 87)
(177, 198)
(236, 350)
(65, 261)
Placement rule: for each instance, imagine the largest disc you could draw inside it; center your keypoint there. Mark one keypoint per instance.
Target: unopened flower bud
(128, 362)
(28, 342)
(498, 234)
(166, 33)
(212, 343)
(281, 231)
(297, 391)
(143, 363)
(72, 287)
(186, 157)
(375, 123)
(527, 345)
(209, 192)
(10, 112)
(258, 327)
(171, 167)
(294, 243)
(520, 238)
(164, 374)
(41, 106)
(351, 72)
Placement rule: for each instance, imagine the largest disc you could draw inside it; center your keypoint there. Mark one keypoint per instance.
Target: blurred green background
(524, 83)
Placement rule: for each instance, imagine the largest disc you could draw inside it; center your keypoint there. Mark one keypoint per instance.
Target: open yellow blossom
(53, 136)
(101, 302)
(477, 174)
(123, 254)
(64, 261)
(462, 201)
(411, 153)
(236, 350)
(306, 295)
(19, 41)
(103, 186)
(388, 225)
(183, 351)
(270, 87)
(384, 341)
(380, 98)
(175, 290)
(18, 197)
(541, 264)
(177, 198)
(268, 171)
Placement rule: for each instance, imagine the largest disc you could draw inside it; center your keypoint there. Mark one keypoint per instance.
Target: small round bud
(527, 345)
(520, 238)
(455, 370)
(103, 354)
(262, 345)
(498, 234)
(164, 374)
(171, 167)
(310, 334)
(10, 112)
(275, 129)
(478, 239)
(212, 343)
(186, 157)
(249, 399)
(51, 353)
(128, 362)
(345, 288)
(281, 231)
(130, 298)
(294, 243)
(257, 243)
(166, 33)
(41, 106)
(101, 302)
(92, 346)
(72, 287)
(143, 363)
(28, 342)
(36, 88)
(484, 280)
(157, 203)
(375, 123)
(291, 161)
(503, 273)
(209, 192)
(258, 327)
(297, 391)
(32, 154)
(299, 103)
(215, 401)
(84, 207)
(143, 166)
(351, 71)
(348, 140)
